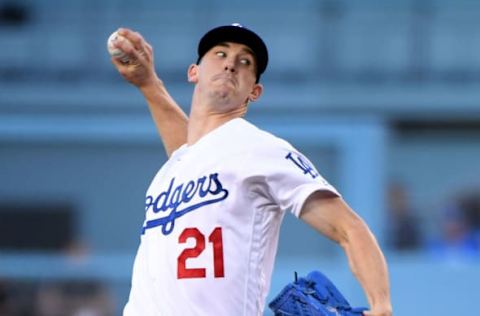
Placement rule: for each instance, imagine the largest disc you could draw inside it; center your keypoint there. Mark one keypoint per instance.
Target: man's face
(227, 73)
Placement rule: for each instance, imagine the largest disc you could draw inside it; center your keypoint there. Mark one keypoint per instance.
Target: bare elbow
(353, 229)
(333, 218)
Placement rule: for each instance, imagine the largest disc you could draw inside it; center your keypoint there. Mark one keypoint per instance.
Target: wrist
(152, 87)
(152, 83)
(156, 94)
(381, 310)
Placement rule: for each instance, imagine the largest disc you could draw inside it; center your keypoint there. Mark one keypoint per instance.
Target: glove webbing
(314, 295)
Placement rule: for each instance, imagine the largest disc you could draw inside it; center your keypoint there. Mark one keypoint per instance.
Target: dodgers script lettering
(175, 201)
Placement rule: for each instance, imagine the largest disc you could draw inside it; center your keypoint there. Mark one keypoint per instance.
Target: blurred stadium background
(383, 96)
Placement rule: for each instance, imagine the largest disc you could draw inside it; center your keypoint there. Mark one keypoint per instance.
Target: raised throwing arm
(169, 118)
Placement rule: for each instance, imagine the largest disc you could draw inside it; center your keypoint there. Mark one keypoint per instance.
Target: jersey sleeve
(289, 178)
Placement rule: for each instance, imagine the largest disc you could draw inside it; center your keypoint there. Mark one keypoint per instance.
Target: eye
(221, 54)
(245, 61)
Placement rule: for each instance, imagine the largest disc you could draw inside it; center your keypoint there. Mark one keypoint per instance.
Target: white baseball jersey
(213, 214)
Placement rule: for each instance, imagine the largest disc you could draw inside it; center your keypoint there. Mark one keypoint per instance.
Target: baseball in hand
(114, 51)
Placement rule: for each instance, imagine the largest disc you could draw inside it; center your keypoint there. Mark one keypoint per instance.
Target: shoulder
(262, 151)
(250, 135)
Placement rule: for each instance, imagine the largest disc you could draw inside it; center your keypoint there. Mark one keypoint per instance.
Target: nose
(229, 65)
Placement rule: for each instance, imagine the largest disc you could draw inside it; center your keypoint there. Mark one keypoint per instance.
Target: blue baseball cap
(235, 33)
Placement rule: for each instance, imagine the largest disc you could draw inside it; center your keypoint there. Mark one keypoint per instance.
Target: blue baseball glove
(314, 295)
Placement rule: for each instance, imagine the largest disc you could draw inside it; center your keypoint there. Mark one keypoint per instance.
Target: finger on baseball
(118, 63)
(137, 40)
(121, 43)
(133, 45)
(139, 43)
(149, 48)
(142, 46)
(124, 31)
(134, 37)
(127, 47)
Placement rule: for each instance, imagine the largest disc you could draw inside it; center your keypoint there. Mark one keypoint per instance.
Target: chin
(222, 95)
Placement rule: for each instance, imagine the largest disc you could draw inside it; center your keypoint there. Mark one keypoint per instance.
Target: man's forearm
(169, 118)
(331, 216)
(369, 266)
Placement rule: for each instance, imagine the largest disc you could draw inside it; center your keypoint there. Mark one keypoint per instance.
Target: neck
(204, 119)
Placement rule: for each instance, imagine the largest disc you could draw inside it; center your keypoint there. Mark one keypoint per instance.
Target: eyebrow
(245, 49)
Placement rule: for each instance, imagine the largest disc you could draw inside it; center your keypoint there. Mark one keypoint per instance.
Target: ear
(192, 73)
(256, 92)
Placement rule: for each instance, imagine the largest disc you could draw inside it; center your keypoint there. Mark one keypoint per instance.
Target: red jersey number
(215, 238)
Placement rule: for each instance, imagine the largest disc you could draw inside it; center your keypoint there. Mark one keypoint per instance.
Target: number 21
(215, 238)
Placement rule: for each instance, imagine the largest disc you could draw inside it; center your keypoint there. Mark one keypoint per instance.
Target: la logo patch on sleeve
(303, 164)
